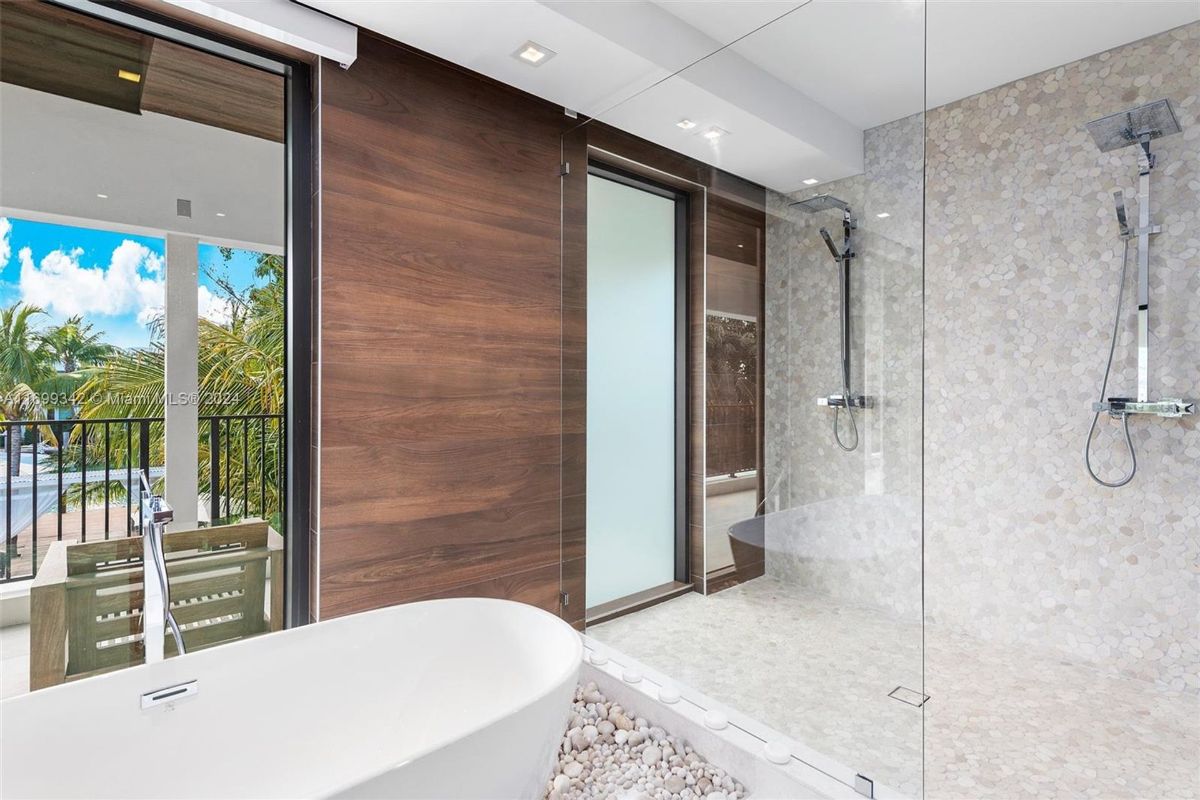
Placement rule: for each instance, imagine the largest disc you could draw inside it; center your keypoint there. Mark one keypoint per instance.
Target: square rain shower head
(1126, 127)
(821, 202)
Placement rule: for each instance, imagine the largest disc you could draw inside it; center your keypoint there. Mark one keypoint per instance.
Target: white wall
(631, 391)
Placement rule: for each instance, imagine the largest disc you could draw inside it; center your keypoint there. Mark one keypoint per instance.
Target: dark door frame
(682, 200)
(298, 139)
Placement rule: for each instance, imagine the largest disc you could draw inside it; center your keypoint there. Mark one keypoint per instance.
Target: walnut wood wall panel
(441, 328)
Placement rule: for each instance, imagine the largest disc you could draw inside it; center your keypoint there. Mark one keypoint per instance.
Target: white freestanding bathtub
(460, 698)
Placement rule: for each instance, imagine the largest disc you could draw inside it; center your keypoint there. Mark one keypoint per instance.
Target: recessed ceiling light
(102, 196)
(714, 133)
(220, 213)
(127, 75)
(883, 215)
(686, 124)
(810, 181)
(534, 54)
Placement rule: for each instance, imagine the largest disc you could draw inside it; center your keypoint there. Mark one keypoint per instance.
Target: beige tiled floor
(1001, 723)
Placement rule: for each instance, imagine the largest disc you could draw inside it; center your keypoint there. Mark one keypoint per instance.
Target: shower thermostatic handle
(840, 401)
(1167, 407)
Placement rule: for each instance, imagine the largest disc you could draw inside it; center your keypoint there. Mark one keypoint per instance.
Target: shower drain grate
(909, 696)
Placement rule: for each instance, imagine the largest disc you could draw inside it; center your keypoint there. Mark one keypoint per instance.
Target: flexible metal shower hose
(1112, 347)
(837, 434)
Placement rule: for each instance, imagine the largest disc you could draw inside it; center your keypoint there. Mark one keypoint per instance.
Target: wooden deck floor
(72, 531)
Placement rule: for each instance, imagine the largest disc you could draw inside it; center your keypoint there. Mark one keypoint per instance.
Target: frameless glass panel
(1079, 599)
(803, 143)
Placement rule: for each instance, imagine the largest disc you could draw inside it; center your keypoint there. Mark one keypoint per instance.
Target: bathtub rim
(574, 665)
(569, 672)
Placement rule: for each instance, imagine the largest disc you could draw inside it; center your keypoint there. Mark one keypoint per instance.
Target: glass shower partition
(800, 143)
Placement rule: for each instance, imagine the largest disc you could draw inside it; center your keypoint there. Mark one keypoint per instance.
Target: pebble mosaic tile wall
(1021, 258)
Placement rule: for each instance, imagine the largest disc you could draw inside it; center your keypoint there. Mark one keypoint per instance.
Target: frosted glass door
(630, 390)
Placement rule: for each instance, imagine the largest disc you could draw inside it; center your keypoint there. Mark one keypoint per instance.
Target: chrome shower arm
(1143, 280)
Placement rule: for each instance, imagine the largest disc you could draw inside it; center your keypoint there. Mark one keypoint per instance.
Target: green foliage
(241, 372)
(76, 343)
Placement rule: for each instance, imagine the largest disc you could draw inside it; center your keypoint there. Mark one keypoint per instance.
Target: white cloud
(5, 244)
(64, 287)
(212, 308)
(132, 283)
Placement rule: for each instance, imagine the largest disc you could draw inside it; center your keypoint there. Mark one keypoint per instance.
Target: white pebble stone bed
(610, 752)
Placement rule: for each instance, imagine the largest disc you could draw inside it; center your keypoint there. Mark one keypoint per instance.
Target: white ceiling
(58, 154)
(794, 82)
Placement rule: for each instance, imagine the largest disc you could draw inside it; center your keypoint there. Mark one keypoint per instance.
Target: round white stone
(668, 694)
(777, 752)
(716, 720)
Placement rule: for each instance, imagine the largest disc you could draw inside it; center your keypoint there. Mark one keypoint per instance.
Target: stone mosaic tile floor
(1001, 723)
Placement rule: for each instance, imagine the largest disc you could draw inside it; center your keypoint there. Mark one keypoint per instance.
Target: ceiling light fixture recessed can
(883, 215)
(129, 75)
(534, 54)
(220, 213)
(686, 124)
(101, 196)
(810, 181)
(714, 133)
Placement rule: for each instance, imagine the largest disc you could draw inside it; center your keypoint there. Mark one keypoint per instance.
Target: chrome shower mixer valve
(841, 401)
(1167, 407)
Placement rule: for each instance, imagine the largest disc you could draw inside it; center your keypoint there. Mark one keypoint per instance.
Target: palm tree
(76, 344)
(241, 372)
(26, 365)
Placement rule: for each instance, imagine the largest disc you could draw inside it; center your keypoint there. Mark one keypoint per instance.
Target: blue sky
(115, 280)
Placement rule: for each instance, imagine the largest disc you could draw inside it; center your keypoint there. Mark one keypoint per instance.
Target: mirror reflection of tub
(463, 698)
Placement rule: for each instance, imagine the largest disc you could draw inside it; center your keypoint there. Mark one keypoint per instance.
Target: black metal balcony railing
(95, 468)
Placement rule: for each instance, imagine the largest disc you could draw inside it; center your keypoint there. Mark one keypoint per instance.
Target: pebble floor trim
(610, 752)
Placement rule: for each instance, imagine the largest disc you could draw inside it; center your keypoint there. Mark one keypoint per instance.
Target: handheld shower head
(833, 248)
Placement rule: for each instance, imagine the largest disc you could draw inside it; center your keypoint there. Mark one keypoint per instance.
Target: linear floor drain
(909, 696)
